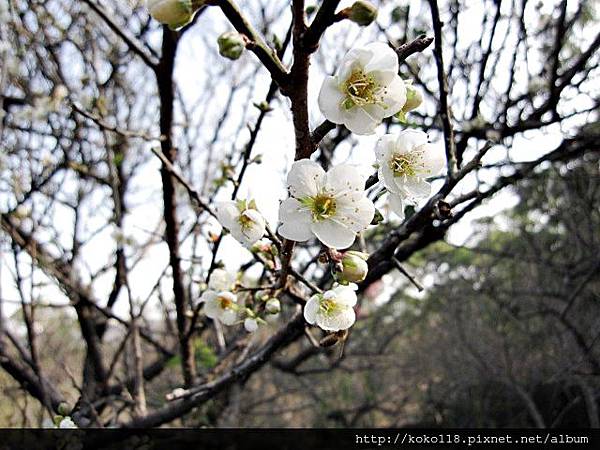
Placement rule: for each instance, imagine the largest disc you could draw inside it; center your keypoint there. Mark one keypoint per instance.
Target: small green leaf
(377, 218)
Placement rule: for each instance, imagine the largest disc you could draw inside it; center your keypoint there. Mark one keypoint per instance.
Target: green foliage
(204, 354)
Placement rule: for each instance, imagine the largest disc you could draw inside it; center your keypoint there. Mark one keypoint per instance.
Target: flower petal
(249, 234)
(345, 295)
(385, 147)
(387, 176)
(416, 188)
(212, 308)
(311, 308)
(433, 158)
(228, 317)
(340, 320)
(383, 61)
(394, 96)
(331, 99)
(409, 140)
(227, 214)
(296, 221)
(221, 280)
(377, 112)
(396, 204)
(357, 57)
(355, 213)
(333, 234)
(359, 121)
(344, 178)
(305, 178)
(207, 295)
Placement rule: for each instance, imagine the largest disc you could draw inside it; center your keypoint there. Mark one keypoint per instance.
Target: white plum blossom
(219, 302)
(332, 310)
(405, 161)
(242, 219)
(331, 206)
(221, 306)
(365, 89)
(67, 422)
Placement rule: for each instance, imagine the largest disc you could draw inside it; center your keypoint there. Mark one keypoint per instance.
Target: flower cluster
(222, 304)
(332, 206)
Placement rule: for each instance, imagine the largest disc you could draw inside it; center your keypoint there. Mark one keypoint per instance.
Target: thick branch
(164, 76)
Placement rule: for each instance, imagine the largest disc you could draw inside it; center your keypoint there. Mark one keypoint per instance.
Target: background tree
(118, 135)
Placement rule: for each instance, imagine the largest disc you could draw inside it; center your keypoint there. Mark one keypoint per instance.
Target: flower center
(361, 89)
(225, 302)
(328, 306)
(321, 207)
(245, 221)
(403, 165)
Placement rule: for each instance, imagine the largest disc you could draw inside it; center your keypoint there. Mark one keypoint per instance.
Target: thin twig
(404, 272)
(445, 113)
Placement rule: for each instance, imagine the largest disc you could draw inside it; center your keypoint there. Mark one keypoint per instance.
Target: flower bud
(232, 44)
(67, 422)
(262, 245)
(174, 13)
(413, 101)
(63, 409)
(310, 10)
(273, 306)
(354, 267)
(251, 324)
(363, 13)
(413, 98)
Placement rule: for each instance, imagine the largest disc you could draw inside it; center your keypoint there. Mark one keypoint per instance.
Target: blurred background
(486, 316)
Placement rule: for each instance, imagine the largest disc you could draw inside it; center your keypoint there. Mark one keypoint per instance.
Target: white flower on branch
(221, 306)
(405, 161)
(365, 89)
(242, 219)
(332, 310)
(331, 206)
(219, 302)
